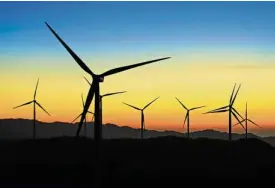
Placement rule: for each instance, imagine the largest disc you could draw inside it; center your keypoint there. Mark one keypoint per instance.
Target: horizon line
(163, 130)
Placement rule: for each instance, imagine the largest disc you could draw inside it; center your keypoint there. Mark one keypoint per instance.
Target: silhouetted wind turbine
(85, 121)
(34, 101)
(101, 97)
(188, 115)
(142, 114)
(95, 89)
(232, 111)
(246, 120)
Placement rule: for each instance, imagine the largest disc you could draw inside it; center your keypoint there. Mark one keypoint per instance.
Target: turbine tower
(95, 88)
(246, 120)
(142, 114)
(187, 117)
(101, 97)
(85, 120)
(231, 111)
(95, 91)
(34, 101)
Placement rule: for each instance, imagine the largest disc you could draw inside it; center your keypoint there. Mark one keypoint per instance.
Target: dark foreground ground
(69, 161)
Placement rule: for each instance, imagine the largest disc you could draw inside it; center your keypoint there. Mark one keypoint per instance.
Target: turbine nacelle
(98, 78)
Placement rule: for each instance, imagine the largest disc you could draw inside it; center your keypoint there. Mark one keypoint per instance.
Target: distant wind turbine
(246, 120)
(142, 114)
(85, 121)
(232, 111)
(101, 97)
(187, 117)
(34, 101)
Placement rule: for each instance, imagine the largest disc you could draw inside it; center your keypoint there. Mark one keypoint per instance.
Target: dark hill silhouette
(69, 160)
(22, 129)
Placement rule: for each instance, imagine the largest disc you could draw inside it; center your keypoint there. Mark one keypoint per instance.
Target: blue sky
(166, 24)
(114, 29)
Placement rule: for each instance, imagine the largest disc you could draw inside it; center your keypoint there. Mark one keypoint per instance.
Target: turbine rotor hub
(100, 78)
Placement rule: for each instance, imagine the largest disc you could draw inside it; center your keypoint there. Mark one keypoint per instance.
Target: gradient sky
(212, 45)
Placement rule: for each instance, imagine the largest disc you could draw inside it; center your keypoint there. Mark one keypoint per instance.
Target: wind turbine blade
(35, 89)
(132, 106)
(254, 123)
(150, 103)
(238, 123)
(124, 68)
(108, 94)
(231, 97)
(221, 108)
(185, 120)
(236, 95)
(23, 104)
(87, 80)
(76, 58)
(90, 112)
(197, 107)
(237, 112)
(82, 100)
(86, 107)
(182, 104)
(42, 108)
(76, 117)
(238, 120)
(218, 111)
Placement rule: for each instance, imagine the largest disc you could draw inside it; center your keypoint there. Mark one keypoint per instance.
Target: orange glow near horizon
(195, 79)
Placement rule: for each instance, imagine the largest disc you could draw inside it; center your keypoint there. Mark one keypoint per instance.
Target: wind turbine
(34, 101)
(95, 88)
(187, 117)
(231, 111)
(142, 114)
(246, 120)
(101, 97)
(85, 121)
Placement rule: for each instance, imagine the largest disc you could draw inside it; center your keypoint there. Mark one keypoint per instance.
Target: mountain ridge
(20, 128)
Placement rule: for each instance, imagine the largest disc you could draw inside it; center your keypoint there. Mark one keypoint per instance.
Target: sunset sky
(213, 45)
